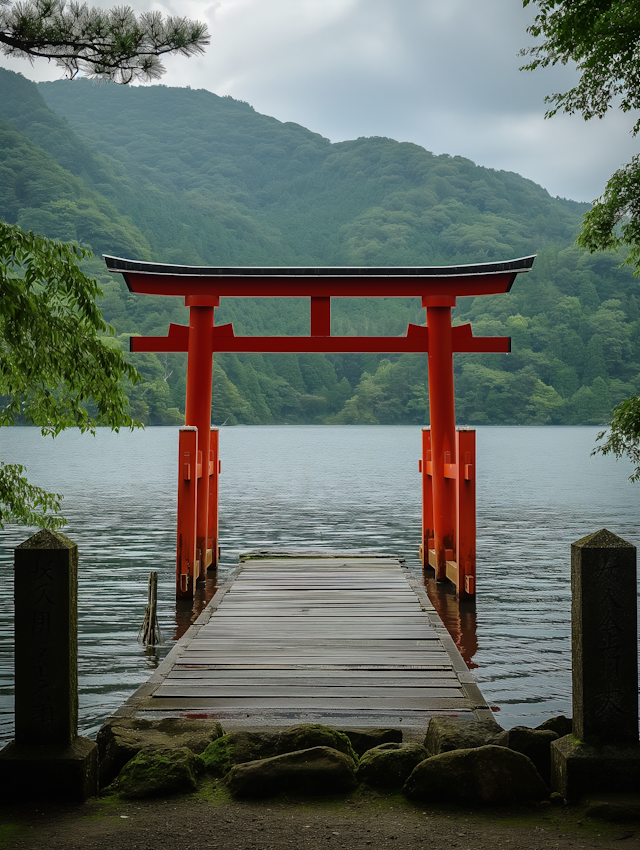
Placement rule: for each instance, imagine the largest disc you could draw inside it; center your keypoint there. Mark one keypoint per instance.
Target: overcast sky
(441, 73)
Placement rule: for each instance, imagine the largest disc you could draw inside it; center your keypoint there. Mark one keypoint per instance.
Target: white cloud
(441, 73)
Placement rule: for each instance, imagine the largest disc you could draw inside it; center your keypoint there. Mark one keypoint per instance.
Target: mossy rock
(390, 765)
(240, 747)
(235, 748)
(308, 735)
(561, 725)
(315, 771)
(533, 743)
(366, 739)
(121, 738)
(488, 775)
(445, 734)
(155, 772)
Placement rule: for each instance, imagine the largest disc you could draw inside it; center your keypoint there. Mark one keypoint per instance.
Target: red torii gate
(448, 455)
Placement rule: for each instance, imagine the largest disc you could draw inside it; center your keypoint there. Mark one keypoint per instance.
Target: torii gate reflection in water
(448, 455)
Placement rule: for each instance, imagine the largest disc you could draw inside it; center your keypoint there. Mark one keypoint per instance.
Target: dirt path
(362, 822)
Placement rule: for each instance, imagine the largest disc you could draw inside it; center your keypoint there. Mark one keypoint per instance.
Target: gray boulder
(459, 733)
(533, 743)
(318, 770)
(239, 747)
(236, 747)
(365, 739)
(157, 772)
(483, 775)
(390, 765)
(121, 738)
(561, 725)
(308, 735)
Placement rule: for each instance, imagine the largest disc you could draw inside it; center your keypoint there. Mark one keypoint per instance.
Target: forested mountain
(178, 175)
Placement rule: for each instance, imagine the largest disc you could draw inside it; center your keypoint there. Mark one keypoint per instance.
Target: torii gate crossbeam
(448, 456)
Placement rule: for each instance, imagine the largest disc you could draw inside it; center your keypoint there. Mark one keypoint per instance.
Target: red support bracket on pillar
(466, 512)
(214, 471)
(187, 567)
(426, 468)
(460, 559)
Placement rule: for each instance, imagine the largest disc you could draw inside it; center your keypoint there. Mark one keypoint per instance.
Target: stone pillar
(603, 752)
(47, 755)
(604, 639)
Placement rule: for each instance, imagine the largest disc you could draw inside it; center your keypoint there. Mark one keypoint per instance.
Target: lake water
(330, 488)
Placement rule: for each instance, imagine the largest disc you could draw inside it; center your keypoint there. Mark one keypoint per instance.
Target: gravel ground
(364, 821)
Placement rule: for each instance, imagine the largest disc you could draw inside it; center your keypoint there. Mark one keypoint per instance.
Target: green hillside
(267, 192)
(184, 176)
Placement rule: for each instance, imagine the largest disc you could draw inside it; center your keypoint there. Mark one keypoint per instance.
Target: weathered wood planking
(343, 640)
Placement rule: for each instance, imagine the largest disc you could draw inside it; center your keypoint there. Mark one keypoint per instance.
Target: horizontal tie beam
(223, 339)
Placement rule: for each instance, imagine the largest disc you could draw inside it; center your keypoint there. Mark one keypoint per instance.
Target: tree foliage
(614, 220)
(623, 437)
(108, 44)
(603, 38)
(25, 503)
(56, 367)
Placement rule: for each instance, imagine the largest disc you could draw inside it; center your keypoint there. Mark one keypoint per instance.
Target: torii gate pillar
(443, 425)
(198, 412)
(199, 464)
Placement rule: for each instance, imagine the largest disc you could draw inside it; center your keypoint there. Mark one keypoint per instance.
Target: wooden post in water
(603, 753)
(47, 758)
(150, 629)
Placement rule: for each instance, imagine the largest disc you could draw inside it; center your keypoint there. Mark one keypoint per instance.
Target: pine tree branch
(107, 44)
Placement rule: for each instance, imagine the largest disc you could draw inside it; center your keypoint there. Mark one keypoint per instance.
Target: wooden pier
(348, 641)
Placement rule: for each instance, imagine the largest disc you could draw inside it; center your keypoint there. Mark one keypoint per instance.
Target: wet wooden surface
(347, 641)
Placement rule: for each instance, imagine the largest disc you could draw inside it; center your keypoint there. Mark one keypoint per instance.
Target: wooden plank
(409, 720)
(346, 668)
(329, 610)
(289, 677)
(344, 656)
(394, 644)
(347, 643)
(187, 691)
(327, 703)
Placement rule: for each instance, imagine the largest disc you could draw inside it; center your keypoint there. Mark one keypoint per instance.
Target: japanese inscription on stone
(604, 638)
(46, 640)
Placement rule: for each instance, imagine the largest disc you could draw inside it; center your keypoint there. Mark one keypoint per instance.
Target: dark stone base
(578, 768)
(58, 773)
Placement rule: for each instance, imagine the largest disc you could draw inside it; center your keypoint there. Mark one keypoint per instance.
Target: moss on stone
(218, 756)
(241, 747)
(315, 771)
(160, 772)
(390, 765)
(308, 735)
(120, 739)
(365, 739)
